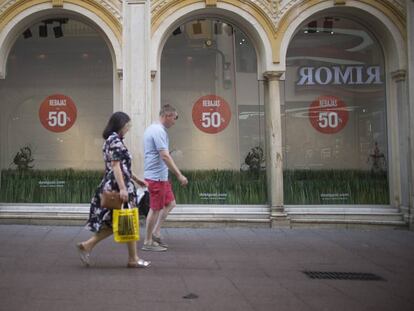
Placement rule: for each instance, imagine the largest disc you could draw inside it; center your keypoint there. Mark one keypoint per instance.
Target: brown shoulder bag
(111, 200)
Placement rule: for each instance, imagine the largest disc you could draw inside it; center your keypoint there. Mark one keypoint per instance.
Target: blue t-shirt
(155, 140)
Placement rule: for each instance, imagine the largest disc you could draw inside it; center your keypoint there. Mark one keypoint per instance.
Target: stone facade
(271, 23)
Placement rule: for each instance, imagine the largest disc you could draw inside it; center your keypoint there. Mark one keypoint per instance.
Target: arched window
(55, 101)
(334, 125)
(209, 73)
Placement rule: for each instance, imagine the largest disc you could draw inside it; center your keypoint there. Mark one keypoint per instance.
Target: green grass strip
(205, 187)
(48, 186)
(335, 187)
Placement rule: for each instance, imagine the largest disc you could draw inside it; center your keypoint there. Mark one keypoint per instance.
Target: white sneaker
(153, 247)
(159, 241)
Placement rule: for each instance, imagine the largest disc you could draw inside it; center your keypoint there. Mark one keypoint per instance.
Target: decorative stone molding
(400, 4)
(274, 75)
(399, 75)
(157, 5)
(106, 9)
(283, 10)
(136, 1)
(211, 3)
(274, 10)
(279, 219)
(153, 74)
(268, 8)
(57, 3)
(396, 7)
(275, 16)
(5, 5)
(114, 6)
(120, 73)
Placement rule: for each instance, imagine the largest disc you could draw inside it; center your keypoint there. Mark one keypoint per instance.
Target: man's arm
(139, 181)
(166, 157)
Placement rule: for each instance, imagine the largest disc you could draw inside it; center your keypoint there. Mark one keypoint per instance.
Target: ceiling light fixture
(43, 31)
(312, 26)
(58, 31)
(27, 33)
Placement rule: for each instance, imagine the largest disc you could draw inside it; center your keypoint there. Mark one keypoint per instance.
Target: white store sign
(339, 75)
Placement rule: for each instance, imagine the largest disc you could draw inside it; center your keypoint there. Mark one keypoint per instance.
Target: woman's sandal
(83, 254)
(140, 263)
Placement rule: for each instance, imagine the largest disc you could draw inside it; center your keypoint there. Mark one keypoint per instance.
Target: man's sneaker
(159, 241)
(153, 247)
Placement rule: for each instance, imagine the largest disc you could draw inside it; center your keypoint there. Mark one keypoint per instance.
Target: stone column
(274, 159)
(410, 44)
(136, 74)
(399, 78)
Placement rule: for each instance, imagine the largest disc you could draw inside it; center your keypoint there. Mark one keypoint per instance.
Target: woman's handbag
(143, 201)
(111, 200)
(125, 224)
(144, 204)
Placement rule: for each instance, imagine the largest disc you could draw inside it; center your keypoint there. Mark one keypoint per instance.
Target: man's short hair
(167, 109)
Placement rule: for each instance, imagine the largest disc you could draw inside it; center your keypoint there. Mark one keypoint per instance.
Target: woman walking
(118, 177)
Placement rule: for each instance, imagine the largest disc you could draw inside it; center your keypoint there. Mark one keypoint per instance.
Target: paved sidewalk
(207, 269)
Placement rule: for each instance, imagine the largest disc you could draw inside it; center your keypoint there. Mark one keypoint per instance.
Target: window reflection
(209, 72)
(335, 116)
(54, 61)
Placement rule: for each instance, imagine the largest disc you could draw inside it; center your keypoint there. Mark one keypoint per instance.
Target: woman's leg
(133, 260)
(132, 252)
(88, 245)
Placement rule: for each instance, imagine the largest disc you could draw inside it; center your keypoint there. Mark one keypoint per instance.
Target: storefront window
(334, 123)
(55, 100)
(209, 73)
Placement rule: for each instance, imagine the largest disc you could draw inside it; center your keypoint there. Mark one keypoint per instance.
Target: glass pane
(55, 100)
(334, 123)
(209, 73)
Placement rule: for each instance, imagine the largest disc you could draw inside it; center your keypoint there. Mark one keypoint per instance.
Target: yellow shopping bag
(125, 225)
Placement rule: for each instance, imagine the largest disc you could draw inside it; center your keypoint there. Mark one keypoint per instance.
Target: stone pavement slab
(232, 269)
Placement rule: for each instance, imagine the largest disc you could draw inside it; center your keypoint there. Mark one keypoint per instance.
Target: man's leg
(152, 218)
(156, 191)
(149, 243)
(161, 218)
(168, 206)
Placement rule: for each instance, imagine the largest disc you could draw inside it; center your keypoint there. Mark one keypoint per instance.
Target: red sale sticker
(57, 113)
(328, 114)
(211, 114)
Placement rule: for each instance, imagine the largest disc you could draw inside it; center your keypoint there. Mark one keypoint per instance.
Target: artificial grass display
(222, 187)
(74, 186)
(335, 187)
(49, 186)
(206, 187)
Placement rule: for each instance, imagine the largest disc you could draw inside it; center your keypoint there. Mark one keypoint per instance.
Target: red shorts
(161, 194)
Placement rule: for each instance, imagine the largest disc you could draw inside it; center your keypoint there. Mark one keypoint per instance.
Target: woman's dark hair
(115, 124)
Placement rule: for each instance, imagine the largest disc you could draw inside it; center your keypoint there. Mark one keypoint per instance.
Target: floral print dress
(113, 150)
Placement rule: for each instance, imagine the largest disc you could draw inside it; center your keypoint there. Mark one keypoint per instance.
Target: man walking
(157, 161)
